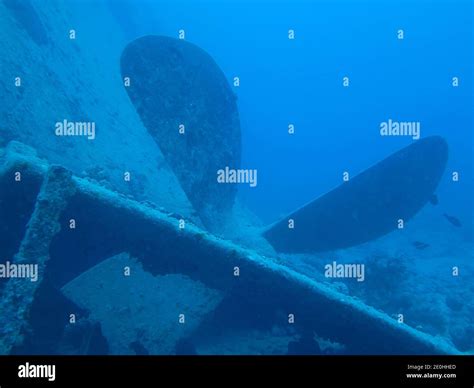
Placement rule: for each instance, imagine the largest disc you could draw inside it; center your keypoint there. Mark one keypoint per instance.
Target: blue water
(300, 82)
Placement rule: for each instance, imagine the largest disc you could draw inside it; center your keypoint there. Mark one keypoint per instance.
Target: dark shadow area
(26, 16)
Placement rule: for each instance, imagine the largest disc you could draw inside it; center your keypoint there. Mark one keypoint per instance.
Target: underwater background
(334, 70)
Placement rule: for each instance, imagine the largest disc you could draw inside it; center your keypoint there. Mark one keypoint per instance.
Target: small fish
(420, 245)
(434, 200)
(453, 220)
